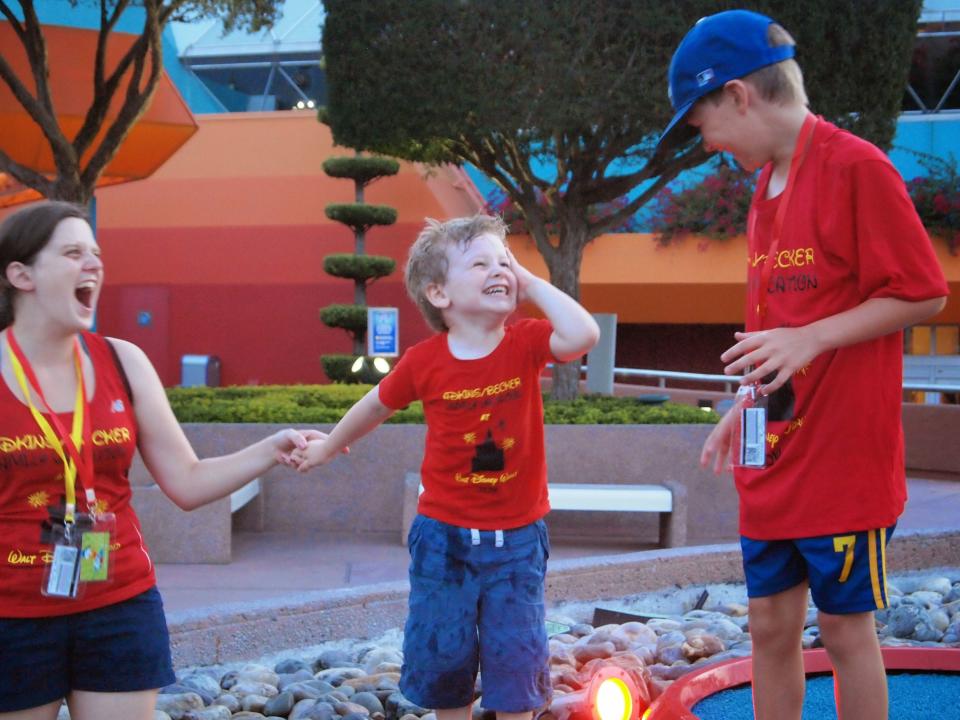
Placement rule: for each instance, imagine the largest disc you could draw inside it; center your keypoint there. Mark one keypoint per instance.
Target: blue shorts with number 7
(847, 572)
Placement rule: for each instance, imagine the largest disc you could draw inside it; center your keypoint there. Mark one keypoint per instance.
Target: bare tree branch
(24, 175)
(12, 19)
(135, 101)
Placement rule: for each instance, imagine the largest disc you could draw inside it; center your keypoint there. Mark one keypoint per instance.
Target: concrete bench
(669, 500)
(244, 495)
(203, 535)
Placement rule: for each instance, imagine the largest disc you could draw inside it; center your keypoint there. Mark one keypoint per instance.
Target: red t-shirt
(835, 457)
(484, 465)
(31, 481)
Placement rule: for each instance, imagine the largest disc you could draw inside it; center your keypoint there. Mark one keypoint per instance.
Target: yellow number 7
(844, 544)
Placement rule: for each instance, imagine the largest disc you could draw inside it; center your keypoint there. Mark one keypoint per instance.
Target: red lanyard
(799, 155)
(82, 465)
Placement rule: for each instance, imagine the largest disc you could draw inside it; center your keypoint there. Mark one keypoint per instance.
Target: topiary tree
(358, 266)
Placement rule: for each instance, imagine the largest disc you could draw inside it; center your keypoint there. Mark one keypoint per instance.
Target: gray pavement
(269, 565)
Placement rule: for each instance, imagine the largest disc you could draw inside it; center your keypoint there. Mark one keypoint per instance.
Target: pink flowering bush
(715, 208)
(937, 199)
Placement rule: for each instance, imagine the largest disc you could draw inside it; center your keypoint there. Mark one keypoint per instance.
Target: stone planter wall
(364, 492)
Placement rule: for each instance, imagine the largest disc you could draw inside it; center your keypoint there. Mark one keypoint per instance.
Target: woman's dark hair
(22, 236)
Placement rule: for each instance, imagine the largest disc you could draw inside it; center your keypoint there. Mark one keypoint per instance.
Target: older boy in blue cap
(838, 264)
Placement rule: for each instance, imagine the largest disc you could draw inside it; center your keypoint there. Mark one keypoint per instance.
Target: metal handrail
(728, 381)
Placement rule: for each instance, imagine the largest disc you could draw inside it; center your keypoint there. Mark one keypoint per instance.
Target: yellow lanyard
(76, 433)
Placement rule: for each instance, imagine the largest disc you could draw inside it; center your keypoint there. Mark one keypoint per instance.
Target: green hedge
(310, 404)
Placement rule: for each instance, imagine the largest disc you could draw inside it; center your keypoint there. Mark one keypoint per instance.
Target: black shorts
(118, 648)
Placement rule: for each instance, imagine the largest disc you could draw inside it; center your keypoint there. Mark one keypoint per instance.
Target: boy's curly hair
(427, 262)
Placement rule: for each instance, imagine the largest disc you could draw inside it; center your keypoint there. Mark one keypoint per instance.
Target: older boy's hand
(782, 351)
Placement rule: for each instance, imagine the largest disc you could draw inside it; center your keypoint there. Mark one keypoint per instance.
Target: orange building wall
(223, 247)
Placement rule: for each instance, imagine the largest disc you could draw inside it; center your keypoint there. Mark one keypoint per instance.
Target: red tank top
(31, 482)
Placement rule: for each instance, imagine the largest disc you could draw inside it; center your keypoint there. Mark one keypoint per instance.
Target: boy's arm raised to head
(574, 329)
(786, 350)
(365, 415)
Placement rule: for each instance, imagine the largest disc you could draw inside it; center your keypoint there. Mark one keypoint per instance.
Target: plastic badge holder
(61, 576)
(750, 436)
(80, 555)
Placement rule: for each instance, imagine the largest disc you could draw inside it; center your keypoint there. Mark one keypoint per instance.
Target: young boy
(478, 546)
(838, 264)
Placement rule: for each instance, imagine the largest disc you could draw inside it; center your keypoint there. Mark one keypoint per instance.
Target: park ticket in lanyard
(799, 155)
(79, 437)
(750, 435)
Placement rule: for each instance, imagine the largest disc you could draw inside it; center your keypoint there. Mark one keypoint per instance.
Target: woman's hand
(285, 442)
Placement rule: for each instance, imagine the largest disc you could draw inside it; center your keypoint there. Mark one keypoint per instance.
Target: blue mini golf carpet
(913, 696)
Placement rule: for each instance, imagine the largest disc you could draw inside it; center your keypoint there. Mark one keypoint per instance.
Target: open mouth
(496, 290)
(84, 295)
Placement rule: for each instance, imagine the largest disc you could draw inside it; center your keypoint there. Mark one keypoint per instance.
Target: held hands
(782, 351)
(285, 443)
(316, 450)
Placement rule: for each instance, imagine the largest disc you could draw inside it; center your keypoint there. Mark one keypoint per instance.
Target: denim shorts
(122, 647)
(476, 605)
(847, 573)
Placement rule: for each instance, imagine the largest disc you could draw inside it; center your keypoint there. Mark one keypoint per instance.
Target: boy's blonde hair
(428, 261)
(782, 82)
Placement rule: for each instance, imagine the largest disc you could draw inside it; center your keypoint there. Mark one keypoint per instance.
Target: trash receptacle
(198, 370)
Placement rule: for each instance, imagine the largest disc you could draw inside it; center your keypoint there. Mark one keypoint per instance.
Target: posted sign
(383, 331)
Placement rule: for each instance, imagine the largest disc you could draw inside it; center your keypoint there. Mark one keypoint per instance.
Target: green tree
(560, 102)
(81, 160)
(359, 267)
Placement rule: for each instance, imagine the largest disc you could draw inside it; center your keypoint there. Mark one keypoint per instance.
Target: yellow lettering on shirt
(114, 436)
(477, 392)
(18, 557)
(481, 479)
(791, 258)
(24, 442)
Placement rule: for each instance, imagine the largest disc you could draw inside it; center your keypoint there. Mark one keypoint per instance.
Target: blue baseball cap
(719, 48)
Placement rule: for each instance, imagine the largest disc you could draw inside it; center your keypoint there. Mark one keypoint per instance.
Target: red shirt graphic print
(484, 464)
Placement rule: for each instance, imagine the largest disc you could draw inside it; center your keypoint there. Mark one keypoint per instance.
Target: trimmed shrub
(349, 317)
(339, 368)
(358, 267)
(361, 216)
(362, 170)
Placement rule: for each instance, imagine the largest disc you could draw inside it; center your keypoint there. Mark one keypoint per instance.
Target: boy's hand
(718, 447)
(316, 451)
(782, 351)
(524, 277)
